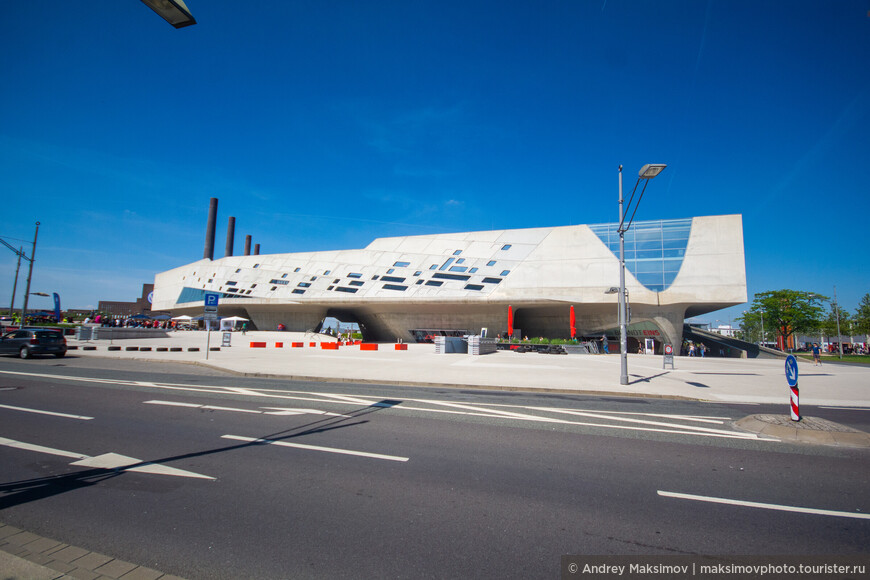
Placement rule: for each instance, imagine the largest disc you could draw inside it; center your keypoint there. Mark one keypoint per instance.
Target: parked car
(32, 341)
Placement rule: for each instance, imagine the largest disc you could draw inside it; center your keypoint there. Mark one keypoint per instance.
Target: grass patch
(857, 359)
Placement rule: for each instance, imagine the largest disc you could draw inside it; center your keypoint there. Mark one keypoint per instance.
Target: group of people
(130, 322)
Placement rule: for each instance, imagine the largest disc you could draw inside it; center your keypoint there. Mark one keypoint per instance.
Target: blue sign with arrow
(791, 371)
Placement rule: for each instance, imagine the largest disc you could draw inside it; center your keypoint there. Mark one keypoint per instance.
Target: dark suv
(28, 342)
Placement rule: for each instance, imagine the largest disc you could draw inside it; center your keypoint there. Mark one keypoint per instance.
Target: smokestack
(231, 234)
(208, 252)
(248, 245)
(257, 250)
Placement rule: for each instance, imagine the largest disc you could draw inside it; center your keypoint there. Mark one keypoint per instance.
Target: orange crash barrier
(258, 345)
(369, 346)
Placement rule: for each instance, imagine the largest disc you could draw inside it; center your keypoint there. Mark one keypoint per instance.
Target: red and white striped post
(795, 404)
(791, 375)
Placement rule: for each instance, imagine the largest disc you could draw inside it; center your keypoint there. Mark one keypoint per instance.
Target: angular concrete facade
(407, 287)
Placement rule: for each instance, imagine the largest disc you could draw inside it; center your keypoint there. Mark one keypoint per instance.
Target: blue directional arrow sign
(791, 371)
(211, 299)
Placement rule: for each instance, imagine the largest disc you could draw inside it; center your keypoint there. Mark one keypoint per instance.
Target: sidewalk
(26, 556)
(707, 379)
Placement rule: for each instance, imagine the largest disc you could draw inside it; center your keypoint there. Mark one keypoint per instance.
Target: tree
(862, 316)
(789, 311)
(751, 327)
(837, 317)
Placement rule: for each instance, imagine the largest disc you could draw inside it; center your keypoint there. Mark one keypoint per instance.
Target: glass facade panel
(648, 267)
(654, 250)
(646, 254)
(672, 264)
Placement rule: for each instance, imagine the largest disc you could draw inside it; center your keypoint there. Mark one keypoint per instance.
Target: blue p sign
(211, 299)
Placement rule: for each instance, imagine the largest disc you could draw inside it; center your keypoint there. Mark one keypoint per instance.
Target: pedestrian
(604, 346)
(817, 355)
(691, 349)
(244, 327)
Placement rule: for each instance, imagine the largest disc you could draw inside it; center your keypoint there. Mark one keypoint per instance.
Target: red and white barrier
(795, 404)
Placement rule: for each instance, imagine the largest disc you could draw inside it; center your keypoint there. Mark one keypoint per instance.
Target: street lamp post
(646, 173)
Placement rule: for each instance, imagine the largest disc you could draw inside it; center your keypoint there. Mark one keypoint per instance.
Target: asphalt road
(284, 479)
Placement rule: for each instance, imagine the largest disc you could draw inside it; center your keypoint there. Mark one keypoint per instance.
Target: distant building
(726, 330)
(414, 287)
(140, 306)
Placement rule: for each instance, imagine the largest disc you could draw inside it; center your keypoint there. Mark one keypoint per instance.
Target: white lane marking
(40, 448)
(41, 412)
(492, 412)
(286, 411)
(241, 391)
(656, 423)
(116, 461)
(269, 410)
(342, 399)
(696, 418)
(205, 407)
(316, 448)
(846, 408)
(729, 403)
(105, 461)
(767, 506)
(348, 399)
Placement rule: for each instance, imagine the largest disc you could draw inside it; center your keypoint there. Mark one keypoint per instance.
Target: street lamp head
(39, 294)
(650, 170)
(612, 290)
(174, 12)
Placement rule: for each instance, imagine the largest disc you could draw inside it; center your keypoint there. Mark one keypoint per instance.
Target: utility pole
(837, 312)
(15, 283)
(29, 276)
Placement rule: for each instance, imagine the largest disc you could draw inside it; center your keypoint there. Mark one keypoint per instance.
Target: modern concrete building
(413, 287)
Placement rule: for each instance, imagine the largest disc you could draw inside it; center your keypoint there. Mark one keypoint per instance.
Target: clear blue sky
(323, 125)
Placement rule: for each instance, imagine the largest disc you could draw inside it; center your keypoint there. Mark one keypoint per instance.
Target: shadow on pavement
(25, 491)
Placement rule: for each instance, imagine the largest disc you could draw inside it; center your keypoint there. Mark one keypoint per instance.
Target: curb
(812, 430)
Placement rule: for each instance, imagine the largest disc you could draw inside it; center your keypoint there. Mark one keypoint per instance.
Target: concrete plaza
(728, 380)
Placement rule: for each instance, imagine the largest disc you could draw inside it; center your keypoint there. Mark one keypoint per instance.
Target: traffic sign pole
(210, 315)
(791, 376)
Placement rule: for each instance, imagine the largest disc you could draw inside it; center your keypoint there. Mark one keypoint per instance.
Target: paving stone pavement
(27, 556)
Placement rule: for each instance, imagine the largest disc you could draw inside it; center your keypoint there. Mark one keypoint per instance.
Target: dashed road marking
(316, 448)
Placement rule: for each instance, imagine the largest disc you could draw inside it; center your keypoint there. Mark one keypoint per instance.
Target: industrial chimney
(208, 252)
(231, 234)
(248, 245)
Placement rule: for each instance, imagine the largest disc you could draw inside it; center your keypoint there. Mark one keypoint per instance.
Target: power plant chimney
(248, 245)
(208, 252)
(231, 234)
(257, 249)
